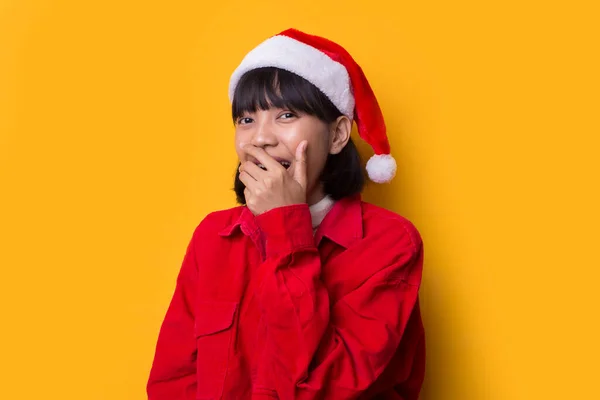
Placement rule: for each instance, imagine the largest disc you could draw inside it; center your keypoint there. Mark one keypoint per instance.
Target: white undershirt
(319, 210)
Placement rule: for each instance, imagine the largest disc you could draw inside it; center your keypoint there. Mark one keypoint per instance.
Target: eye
(244, 120)
(287, 115)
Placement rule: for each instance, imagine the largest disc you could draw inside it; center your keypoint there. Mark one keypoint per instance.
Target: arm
(173, 373)
(315, 353)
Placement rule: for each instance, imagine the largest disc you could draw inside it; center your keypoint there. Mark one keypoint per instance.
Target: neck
(319, 210)
(315, 196)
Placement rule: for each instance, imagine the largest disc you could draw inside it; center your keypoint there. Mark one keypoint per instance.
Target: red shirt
(264, 309)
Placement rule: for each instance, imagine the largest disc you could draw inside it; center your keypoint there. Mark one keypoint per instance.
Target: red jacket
(265, 310)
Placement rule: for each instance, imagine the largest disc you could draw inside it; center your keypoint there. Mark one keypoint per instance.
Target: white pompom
(381, 168)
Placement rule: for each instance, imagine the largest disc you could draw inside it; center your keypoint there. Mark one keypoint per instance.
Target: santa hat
(332, 69)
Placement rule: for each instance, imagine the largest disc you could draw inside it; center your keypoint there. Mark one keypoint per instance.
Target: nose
(264, 134)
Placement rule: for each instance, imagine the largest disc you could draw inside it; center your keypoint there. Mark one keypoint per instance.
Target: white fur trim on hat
(381, 168)
(306, 61)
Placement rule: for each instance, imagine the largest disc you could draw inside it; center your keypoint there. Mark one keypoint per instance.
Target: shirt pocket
(214, 330)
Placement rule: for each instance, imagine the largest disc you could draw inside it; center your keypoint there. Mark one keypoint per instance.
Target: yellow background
(116, 140)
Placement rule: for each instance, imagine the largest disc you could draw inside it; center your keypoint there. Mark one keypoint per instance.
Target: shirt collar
(343, 224)
(319, 210)
(245, 221)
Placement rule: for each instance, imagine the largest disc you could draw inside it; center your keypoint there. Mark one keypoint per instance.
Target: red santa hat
(329, 67)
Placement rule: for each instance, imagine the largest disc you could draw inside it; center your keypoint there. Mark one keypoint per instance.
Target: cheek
(316, 162)
(311, 132)
(317, 153)
(240, 141)
(290, 138)
(318, 149)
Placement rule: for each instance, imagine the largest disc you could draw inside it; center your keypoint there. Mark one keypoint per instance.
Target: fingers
(248, 180)
(300, 167)
(252, 169)
(263, 157)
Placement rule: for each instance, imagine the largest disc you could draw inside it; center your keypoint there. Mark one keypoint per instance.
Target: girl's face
(280, 131)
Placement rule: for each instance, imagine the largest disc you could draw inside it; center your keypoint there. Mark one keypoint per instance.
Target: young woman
(304, 291)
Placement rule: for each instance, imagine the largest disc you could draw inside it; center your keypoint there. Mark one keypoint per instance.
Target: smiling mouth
(285, 164)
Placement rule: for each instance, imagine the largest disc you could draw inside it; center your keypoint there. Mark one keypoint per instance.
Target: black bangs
(263, 88)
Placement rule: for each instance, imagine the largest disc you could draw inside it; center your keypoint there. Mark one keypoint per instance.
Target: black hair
(267, 87)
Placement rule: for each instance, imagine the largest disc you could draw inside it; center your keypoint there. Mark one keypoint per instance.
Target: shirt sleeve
(173, 372)
(317, 350)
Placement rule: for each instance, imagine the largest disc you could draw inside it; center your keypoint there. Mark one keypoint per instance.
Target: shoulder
(395, 240)
(215, 222)
(390, 229)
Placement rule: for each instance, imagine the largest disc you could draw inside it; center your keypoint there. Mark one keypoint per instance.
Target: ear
(341, 129)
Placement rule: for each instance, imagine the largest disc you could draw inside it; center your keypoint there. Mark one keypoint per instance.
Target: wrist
(286, 229)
